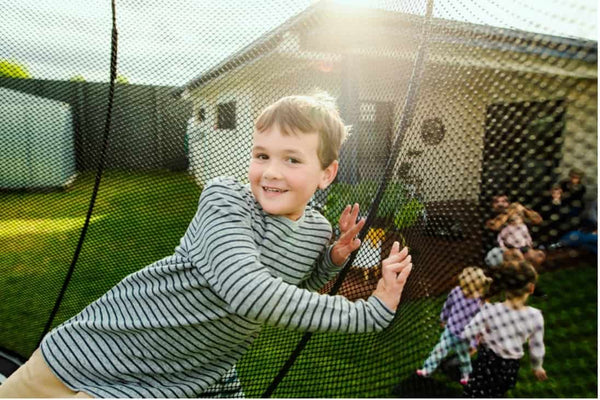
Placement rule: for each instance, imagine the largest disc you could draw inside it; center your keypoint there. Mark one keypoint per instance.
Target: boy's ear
(329, 174)
(531, 287)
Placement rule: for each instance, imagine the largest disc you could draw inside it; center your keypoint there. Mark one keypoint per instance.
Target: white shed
(37, 142)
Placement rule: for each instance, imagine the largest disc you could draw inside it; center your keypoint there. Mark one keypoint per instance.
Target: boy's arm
(322, 273)
(224, 250)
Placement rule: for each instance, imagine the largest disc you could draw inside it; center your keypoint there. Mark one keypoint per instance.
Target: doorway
(522, 150)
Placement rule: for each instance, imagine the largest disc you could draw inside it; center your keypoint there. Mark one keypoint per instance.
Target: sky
(170, 42)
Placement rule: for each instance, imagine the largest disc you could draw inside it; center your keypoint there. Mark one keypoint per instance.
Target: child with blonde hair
(463, 302)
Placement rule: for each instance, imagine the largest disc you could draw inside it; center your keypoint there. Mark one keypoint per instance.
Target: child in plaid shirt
(502, 329)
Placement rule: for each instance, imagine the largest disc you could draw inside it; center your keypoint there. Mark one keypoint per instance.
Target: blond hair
(307, 114)
(473, 279)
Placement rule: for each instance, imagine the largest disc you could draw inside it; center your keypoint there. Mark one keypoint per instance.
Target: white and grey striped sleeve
(324, 271)
(223, 248)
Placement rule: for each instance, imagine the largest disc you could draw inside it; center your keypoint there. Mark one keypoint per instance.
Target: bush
(12, 69)
(396, 205)
(77, 78)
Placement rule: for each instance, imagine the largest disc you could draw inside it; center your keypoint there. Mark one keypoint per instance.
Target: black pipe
(406, 119)
(113, 76)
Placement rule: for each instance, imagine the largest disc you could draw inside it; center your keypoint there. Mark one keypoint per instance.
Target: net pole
(100, 169)
(406, 119)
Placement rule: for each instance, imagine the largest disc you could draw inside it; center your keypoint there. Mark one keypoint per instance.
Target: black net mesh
(473, 142)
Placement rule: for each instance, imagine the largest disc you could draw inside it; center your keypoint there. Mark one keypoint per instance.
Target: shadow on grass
(417, 387)
(143, 218)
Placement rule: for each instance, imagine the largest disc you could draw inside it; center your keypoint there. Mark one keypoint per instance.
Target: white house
(492, 108)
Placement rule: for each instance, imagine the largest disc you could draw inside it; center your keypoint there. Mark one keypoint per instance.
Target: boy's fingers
(399, 266)
(390, 270)
(403, 275)
(349, 235)
(356, 228)
(396, 258)
(396, 250)
(354, 213)
(344, 217)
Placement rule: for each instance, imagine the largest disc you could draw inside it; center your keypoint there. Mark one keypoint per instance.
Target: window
(226, 115)
(200, 115)
(433, 131)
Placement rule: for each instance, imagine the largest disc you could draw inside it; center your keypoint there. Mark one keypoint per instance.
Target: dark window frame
(226, 115)
(201, 115)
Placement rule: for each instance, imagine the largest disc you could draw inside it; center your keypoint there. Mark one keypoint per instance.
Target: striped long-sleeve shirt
(174, 327)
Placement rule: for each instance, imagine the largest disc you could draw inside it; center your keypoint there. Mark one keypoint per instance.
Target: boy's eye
(293, 160)
(261, 156)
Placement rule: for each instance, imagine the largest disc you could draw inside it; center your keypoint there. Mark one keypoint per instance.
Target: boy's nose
(271, 172)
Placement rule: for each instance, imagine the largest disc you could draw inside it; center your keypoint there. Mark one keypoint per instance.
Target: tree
(77, 78)
(13, 69)
(121, 80)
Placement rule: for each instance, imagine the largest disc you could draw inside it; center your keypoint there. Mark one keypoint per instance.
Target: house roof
(442, 31)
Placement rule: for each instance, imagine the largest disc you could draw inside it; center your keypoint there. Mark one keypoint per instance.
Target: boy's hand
(395, 271)
(347, 241)
(540, 374)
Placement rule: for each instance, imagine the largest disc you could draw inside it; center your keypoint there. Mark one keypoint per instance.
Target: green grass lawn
(370, 365)
(140, 217)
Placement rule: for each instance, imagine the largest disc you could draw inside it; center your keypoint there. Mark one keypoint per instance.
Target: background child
(463, 302)
(248, 257)
(503, 328)
(574, 192)
(515, 235)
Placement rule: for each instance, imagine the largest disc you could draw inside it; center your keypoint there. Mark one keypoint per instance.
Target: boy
(502, 329)
(175, 327)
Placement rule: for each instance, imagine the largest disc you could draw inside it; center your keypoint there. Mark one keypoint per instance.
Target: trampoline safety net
(472, 141)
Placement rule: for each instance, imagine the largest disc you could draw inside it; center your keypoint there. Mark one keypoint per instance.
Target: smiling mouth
(273, 190)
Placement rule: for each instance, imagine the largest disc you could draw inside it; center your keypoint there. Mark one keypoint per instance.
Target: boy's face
(285, 171)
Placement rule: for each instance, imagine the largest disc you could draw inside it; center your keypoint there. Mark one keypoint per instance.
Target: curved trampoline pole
(113, 75)
(405, 121)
